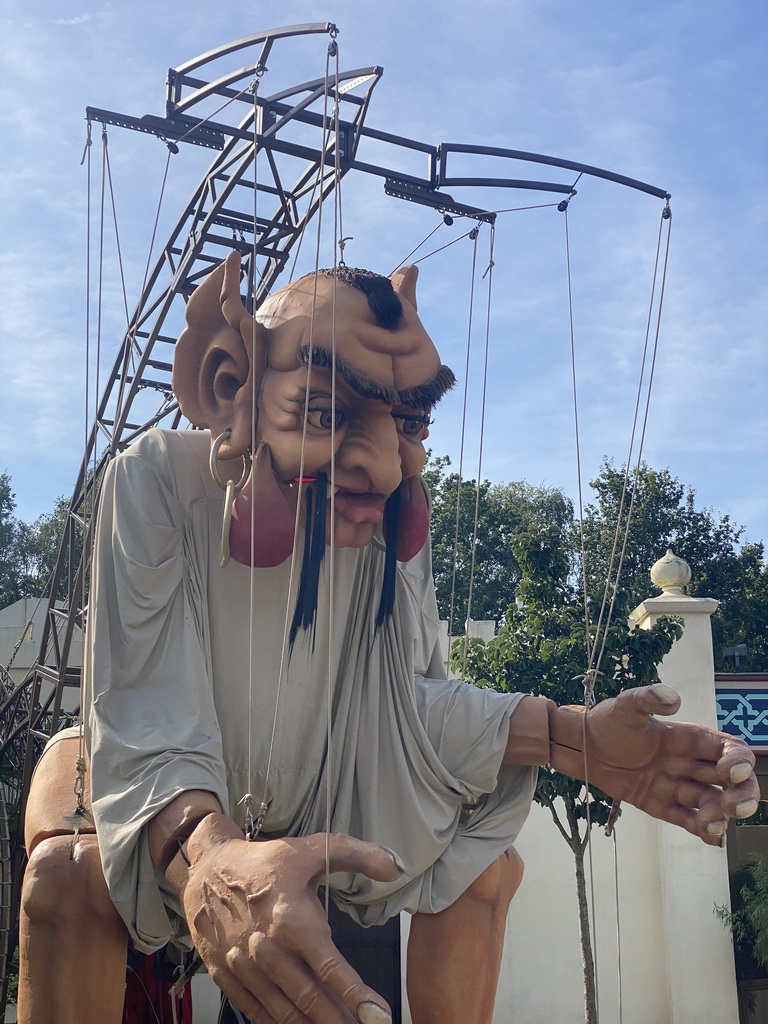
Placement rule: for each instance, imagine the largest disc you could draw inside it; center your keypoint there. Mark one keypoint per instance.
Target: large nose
(369, 456)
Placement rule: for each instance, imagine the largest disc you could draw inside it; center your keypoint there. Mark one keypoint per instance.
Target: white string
(252, 525)
(282, 671)
(489, 273)
(462, 440)
(612, 581)
(332, 516)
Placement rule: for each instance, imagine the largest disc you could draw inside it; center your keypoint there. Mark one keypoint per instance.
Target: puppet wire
(251, 826)
(665, 217)
(333, 51)
(460, 480)
(489, 272)
(597, 646)
(589, 676)
(441, 223)
(287, 643)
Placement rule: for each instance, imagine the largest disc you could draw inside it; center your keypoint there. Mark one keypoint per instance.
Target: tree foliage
(748, 918)
(664, 515)
(502, 511)
(28, 551)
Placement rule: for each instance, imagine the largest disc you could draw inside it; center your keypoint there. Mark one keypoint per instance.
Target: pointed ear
(218, 355)
(404, 283)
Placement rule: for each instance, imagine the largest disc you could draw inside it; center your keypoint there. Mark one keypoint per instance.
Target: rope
(665, 216)
(250, 824)
(595, 649)
(461, 446)
(117, 238)
(489, 273)
(577, 439)
(333, 51)
(282, 671)
(416, 248)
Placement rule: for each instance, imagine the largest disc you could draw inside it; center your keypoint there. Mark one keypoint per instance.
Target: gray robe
(182, 667)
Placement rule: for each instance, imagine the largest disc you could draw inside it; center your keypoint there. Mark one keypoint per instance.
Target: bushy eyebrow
(423, 396)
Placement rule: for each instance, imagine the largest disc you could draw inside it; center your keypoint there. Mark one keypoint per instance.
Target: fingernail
(723, 842)
(717, 828)
(741, 772)
(746, 808)
(372, 1013)
(664, 694)
(401, 868)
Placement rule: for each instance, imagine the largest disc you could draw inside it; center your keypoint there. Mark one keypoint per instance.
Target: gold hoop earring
(231, 490)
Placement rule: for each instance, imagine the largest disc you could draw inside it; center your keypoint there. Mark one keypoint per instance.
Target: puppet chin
(413, 521)
(262, 503)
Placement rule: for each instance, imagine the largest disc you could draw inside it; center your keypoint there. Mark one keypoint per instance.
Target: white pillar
(694, 877)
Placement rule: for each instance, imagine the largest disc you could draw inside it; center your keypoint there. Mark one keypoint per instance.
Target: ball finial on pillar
(671, 573)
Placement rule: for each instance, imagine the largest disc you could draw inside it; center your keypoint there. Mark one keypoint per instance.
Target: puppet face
(370, 419)
(365, 423)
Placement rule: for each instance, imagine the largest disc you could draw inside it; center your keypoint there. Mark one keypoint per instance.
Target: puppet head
(370, 418)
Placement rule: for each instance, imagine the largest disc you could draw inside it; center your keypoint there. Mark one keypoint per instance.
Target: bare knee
(500, 880)
(64, 881)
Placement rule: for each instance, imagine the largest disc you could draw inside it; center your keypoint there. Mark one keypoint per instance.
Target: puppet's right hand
(253, 912)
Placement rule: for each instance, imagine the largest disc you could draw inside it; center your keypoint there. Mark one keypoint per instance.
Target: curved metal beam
(538, 158)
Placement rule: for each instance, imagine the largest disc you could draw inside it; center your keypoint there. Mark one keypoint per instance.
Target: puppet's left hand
(683, 773)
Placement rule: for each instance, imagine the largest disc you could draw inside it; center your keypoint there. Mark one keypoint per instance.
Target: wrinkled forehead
(307, 312)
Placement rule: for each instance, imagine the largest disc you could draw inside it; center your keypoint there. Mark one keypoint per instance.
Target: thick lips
(359, 508)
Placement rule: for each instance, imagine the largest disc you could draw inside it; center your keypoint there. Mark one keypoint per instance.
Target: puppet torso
(181, 649)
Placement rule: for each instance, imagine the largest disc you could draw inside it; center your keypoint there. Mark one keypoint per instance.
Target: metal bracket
(438, 200)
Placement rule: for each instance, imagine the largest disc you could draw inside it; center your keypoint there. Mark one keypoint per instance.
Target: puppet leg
(72, 941)
(454, 957)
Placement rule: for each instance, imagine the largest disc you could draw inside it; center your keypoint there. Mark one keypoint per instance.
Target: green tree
(542, 649)
(664, 515)
(11, 588)
(28, 551)
(748, 918)
(503, 510)
(42, 541)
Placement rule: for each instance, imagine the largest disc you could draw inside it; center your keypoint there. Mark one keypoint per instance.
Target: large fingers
(336, 974)
(694, 822)
(658, 699)
(721, 760)
(240, 996)
(345, 853)
(285, 981)
(737, 761)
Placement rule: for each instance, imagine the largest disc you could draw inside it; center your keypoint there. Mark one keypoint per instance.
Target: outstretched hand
(680, 772)
(253, 912)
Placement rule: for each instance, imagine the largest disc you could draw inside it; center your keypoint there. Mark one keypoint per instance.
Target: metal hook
(342, 246)
(231, 490)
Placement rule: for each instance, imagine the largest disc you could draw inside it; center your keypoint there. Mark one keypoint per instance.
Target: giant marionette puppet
(203, 691)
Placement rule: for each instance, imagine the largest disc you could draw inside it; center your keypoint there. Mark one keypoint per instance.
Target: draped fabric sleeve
(152, 728)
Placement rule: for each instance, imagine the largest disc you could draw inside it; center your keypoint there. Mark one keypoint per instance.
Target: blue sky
(673, 93)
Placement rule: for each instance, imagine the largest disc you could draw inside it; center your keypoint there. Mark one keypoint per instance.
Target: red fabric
(147, 998)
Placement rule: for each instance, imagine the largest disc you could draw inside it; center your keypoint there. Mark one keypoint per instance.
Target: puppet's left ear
(219, 355)
(404, 283)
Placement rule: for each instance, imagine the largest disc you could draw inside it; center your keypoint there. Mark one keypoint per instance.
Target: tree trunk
(587, 960)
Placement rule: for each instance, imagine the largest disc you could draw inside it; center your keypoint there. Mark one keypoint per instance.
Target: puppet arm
(254, 915)
(683, 773)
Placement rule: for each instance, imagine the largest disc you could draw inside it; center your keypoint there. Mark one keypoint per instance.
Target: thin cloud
(78, 20)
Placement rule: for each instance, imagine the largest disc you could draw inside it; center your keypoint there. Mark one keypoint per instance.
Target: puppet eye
(413, 425)
(322, 417)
